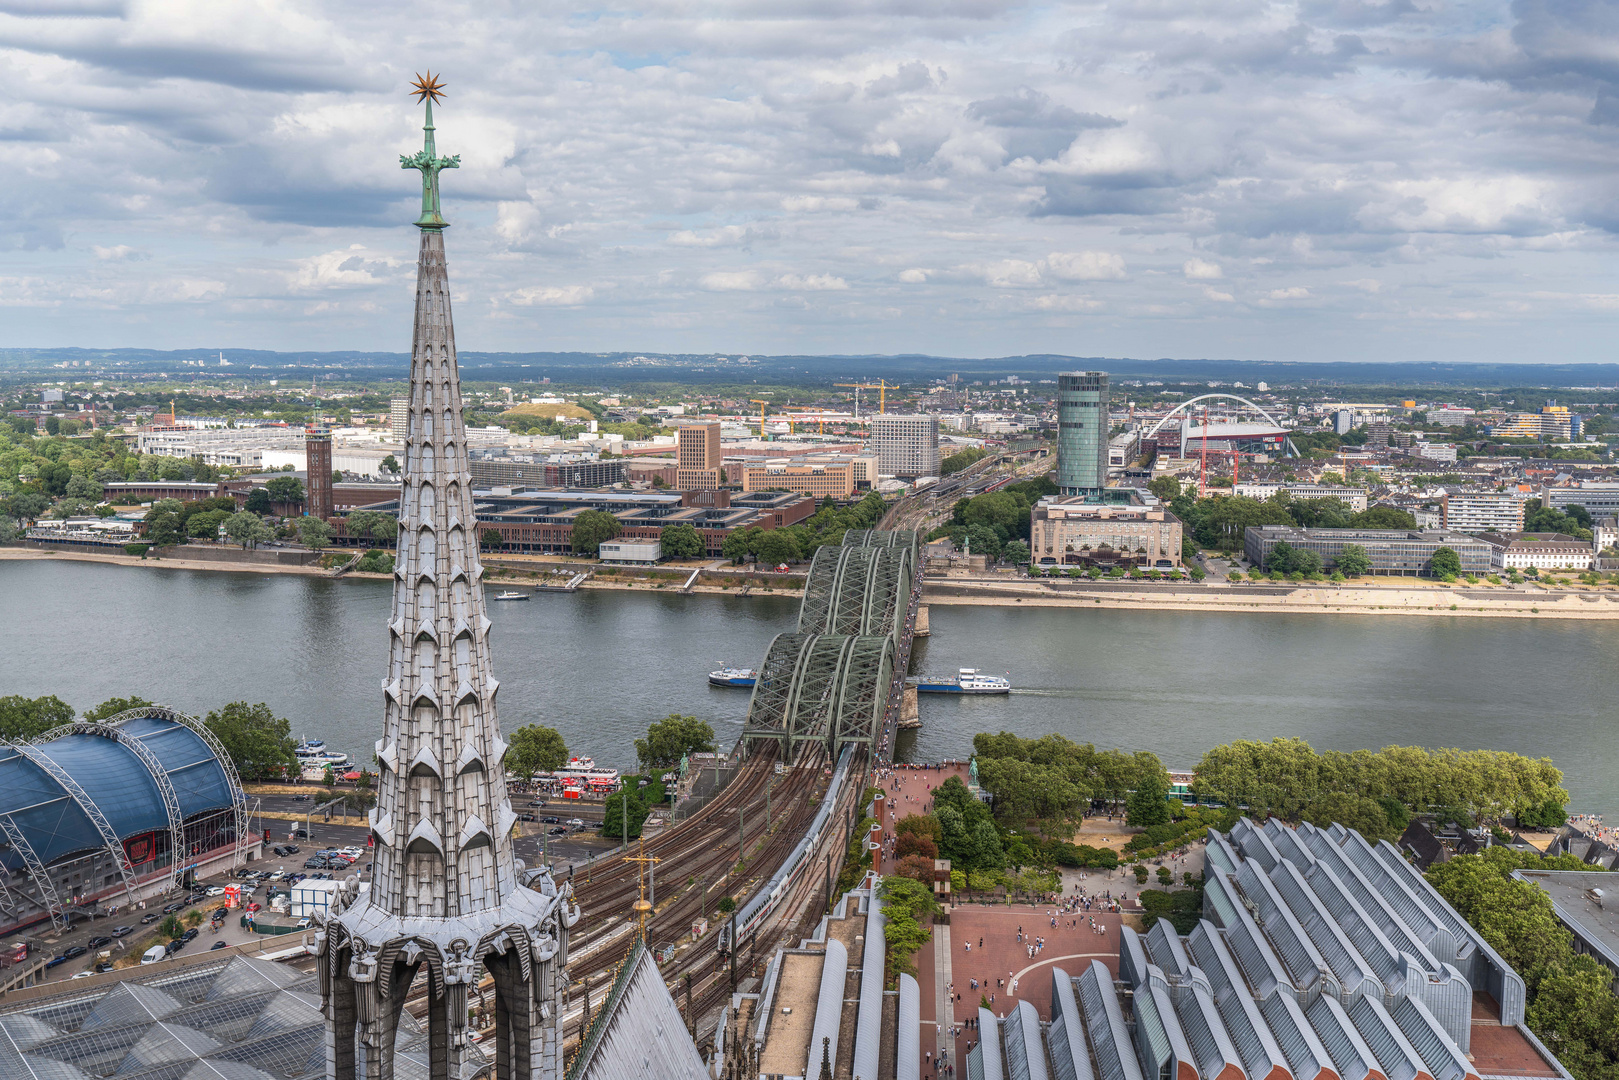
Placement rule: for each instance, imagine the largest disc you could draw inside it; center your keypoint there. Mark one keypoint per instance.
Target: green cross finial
(428, 89)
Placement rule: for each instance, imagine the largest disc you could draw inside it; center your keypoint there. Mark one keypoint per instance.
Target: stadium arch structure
(1186, 405)
(114, 810)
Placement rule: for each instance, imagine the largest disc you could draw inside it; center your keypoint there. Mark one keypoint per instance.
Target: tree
(1280, 557)
(258, 501)
(205, 526)
(907, 900)
(314, 533)
(1306, 561)
(778, 546)
(163, 525)
(23, 718)
(1353, 561)
(535, 748)
(491, 540)
(1148, 804)
(916, 844)
(114, 706)
(591, 529)
(1383, 517)
(672, 738)
(681, 542)
(1165, 487)
(740, 544)
(258, 741)
(613, 812)
(1016, 552)
(285, 489)
(83, 487)
(391, 464)
(1445, 562)
(248, 529)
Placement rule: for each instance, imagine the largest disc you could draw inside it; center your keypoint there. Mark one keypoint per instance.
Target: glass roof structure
(236, 1019)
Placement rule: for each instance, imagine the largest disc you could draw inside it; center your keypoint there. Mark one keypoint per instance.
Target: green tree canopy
(24, 718)
(1383, 517)
(114, 706)
(1165, 487)
(163, 525)
(670, 739)
(285, 489)
(1148, 804)
(314, 533)
(258, 741)
(591, 529)
(258, 501)
(778, 546)
(681, 541)
(248, 529)
(1353, 561)
(1445, 562)
(535, 748)
(613, 814)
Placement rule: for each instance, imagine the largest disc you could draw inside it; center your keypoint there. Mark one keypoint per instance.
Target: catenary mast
(446, 898)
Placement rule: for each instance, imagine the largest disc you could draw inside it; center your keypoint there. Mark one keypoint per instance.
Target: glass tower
(1082, 433)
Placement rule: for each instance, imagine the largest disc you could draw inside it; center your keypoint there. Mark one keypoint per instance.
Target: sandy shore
(1237, 598)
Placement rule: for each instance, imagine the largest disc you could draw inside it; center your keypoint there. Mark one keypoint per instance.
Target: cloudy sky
(1321, 179)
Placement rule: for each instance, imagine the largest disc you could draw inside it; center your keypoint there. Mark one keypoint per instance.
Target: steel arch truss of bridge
(832, 681)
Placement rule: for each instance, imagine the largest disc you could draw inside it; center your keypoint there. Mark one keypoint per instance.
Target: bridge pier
(921, 622)
(909, 715)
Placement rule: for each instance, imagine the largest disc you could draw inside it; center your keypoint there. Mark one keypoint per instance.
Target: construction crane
(762, 405)
(882, 388)
(821, 418)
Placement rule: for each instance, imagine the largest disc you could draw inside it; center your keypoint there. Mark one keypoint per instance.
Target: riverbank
(1259, 599)
(667, 578)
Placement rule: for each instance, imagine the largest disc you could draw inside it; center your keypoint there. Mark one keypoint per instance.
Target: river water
(600, 665)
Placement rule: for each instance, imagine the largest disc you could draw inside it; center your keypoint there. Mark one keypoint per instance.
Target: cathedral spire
(445, 890)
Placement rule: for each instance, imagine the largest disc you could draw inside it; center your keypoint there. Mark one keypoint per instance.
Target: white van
(155, 954)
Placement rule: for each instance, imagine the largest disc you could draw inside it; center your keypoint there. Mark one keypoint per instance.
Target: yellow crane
(882, 388)
(762, 405)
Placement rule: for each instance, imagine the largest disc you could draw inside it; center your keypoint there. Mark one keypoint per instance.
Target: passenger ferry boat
(731, 676)
(966, 681)
(509, 595)
(314, 752)
(582, 773)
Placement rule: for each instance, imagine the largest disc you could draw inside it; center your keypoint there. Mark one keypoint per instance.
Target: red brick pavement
(1069, 946)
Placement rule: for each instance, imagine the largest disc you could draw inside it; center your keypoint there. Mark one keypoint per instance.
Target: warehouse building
(112, 812)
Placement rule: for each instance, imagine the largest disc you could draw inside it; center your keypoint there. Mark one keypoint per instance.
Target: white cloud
(913, 276)
(1085, 266)
(730, 281)
(1216, 294)
(1295, 292)
(1199, 270)
(117, 253)
(351, 267)
(552, 296)
(812, 282)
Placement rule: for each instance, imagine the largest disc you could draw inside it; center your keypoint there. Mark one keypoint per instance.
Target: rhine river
(600, 665)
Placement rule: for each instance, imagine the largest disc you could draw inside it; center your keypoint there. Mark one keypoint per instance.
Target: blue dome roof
(116, 781)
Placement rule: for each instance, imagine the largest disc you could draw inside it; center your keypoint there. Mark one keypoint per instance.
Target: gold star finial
(427, 87)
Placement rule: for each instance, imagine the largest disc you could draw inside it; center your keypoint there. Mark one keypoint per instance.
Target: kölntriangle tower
(446, 898)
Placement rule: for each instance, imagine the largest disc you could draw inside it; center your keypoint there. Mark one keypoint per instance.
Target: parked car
(154, 955)
(53, 961)
(551, 820)
(190, 935)
(576, 823)
(174, 907)
(314, 862)
(81, 975)
(278, 875)
(300, 798)
(279, 852)
(175, 946)
(147, 920)
(292, 849)
(526, 817)
(122, 931)
(218, 945)
(217, 890)
(75, 952)
(98, 942)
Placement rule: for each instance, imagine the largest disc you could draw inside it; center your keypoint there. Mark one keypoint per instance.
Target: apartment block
(1482, 511)
(906, 445)
(697, 455)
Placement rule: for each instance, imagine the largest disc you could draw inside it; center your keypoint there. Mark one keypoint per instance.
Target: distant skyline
(1328, 180)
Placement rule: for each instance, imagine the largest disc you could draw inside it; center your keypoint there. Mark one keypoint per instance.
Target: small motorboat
(509, 595)
(731, 676)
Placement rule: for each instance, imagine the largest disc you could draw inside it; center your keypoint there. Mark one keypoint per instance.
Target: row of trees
(1220, 520)
(997, 523)
(1290, 778)
(1054, 780)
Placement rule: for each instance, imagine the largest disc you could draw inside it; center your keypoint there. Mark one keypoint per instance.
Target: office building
(818, 478)
(318, 453)
(1543, 551)
(1352, 497)
(1082, 433)
(697, 455)
(1074, 530)
(1450, 416)
(1482, 511)
(1600, 499)
(1404, 552)
(1342, 421)
(538, 471)
(398, 417)
(906, 445)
